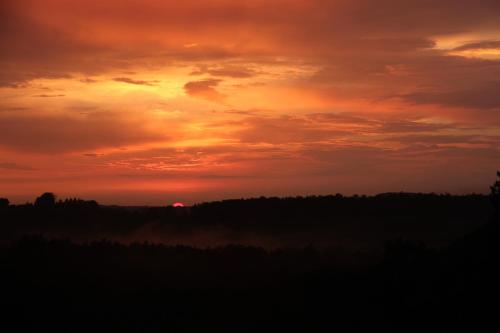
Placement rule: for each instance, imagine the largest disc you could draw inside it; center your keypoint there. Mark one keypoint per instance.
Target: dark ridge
(52, 283)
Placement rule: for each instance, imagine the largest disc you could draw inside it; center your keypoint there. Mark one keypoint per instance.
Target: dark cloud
(88, 80)
(238, 72)
(440, 139)
(484, 96)
(342, 118)
(492, 44)
(14, 166)
(51, 134)
(133, 81)
(411, 127)
(287, 130)
(37, 50)
(205, 89)
(49, 96)
(93, 155)
(378, 125)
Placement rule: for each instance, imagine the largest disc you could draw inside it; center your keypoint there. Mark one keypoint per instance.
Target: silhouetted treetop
(4, 202)
(77, 203)
(495, 193)
(47, 199)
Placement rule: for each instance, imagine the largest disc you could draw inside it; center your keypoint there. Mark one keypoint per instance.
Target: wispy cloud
(14, 166)
(133, 81)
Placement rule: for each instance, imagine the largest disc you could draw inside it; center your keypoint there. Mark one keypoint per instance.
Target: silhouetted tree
(46, 200)
(495, 193)
(78, 203)
(4, 202)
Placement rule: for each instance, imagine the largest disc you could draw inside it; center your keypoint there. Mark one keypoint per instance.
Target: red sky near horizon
(150, 102)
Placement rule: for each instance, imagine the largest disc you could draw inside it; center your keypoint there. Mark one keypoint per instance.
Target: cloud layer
(255, 97)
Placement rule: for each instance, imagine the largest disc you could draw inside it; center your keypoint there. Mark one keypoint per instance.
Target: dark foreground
(411, 286)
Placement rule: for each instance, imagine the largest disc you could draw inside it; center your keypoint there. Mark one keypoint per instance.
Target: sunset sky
(151, 101)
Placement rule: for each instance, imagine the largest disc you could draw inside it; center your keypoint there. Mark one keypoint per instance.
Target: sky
(149, 102)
